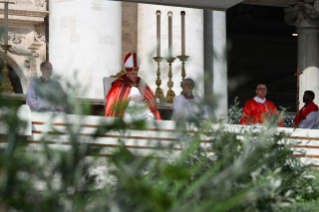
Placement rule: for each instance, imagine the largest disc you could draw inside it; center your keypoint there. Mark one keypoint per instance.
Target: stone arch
(16, 74)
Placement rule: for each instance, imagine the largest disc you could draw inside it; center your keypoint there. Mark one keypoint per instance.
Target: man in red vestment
(308, 116)
(257, 109)
(130, 96)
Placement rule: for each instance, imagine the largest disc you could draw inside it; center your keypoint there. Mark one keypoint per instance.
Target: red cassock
(310, 110)
(255, 112)
(117, 98)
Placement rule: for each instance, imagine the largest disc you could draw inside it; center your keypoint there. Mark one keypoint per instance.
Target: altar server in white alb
(308, 116)
(45, 94)
(188, 105)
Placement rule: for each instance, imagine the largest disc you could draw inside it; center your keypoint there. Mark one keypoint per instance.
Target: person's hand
(136, 98)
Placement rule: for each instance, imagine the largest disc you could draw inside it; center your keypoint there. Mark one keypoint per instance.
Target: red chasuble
(117, 98)
(304, 112)
(255, 112)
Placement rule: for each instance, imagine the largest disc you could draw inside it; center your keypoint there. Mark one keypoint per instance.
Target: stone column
(305, 17)
(215, 60)
(85, 37)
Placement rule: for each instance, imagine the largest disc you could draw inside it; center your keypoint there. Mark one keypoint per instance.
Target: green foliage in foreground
(256, 173)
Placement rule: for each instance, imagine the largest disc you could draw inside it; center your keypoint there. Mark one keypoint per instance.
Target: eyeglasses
(261, 89)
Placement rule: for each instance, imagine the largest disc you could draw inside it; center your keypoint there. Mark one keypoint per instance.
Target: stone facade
(91, 38)
(86, 43)
(27, 37)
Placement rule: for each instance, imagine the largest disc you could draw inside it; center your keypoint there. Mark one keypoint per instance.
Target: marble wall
(85, 38)
(26, 35)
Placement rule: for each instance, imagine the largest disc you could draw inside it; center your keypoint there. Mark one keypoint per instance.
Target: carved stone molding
(13, 38)
(39, 33)
(37, 3)
(24, 2)
(302, 10)
(40, 3)
(30, 64)
(22, 52)
(25, 15)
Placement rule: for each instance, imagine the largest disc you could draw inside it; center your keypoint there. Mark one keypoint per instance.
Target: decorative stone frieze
(40, 3)
(39, 34)
(31, 65)
(26, 11)
(303, 10)
(15, 38)
(27, 38)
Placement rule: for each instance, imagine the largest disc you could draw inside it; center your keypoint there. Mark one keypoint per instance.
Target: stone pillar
(306, 18)
(85, 37)
(194, 46)
(215, 60)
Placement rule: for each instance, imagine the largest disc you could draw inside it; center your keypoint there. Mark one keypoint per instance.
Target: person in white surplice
(188, 105)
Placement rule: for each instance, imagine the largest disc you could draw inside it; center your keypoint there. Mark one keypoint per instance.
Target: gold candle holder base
(170, 93)
(183, 59)
(6, 86)
(159, 92)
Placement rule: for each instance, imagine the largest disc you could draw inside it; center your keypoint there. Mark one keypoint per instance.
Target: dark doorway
(262, 49)
(15, 80)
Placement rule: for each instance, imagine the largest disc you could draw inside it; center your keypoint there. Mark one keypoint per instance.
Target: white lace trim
(257, 99)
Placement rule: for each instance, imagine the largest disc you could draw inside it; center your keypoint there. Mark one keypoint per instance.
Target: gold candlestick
(158, 33)
(183, 59)
(6, 86)
(183, 31)
(170, 93)
(159, 92)
(170, 34)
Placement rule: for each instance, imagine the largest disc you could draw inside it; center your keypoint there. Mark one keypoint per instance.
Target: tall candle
(170, 33)
(6, 23)
(183, 32)
(158, 32)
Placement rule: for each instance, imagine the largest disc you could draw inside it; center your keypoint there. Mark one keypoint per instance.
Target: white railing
(153, 138)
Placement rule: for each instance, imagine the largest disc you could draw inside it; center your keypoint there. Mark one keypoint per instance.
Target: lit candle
(183, 32)
(170, 33)
(158, 32)
(6, 22)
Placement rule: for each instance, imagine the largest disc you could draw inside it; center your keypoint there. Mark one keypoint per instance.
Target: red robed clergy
(309, 111)
(118, 96)
(257, 109)
(255, 112)
(308, 116)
